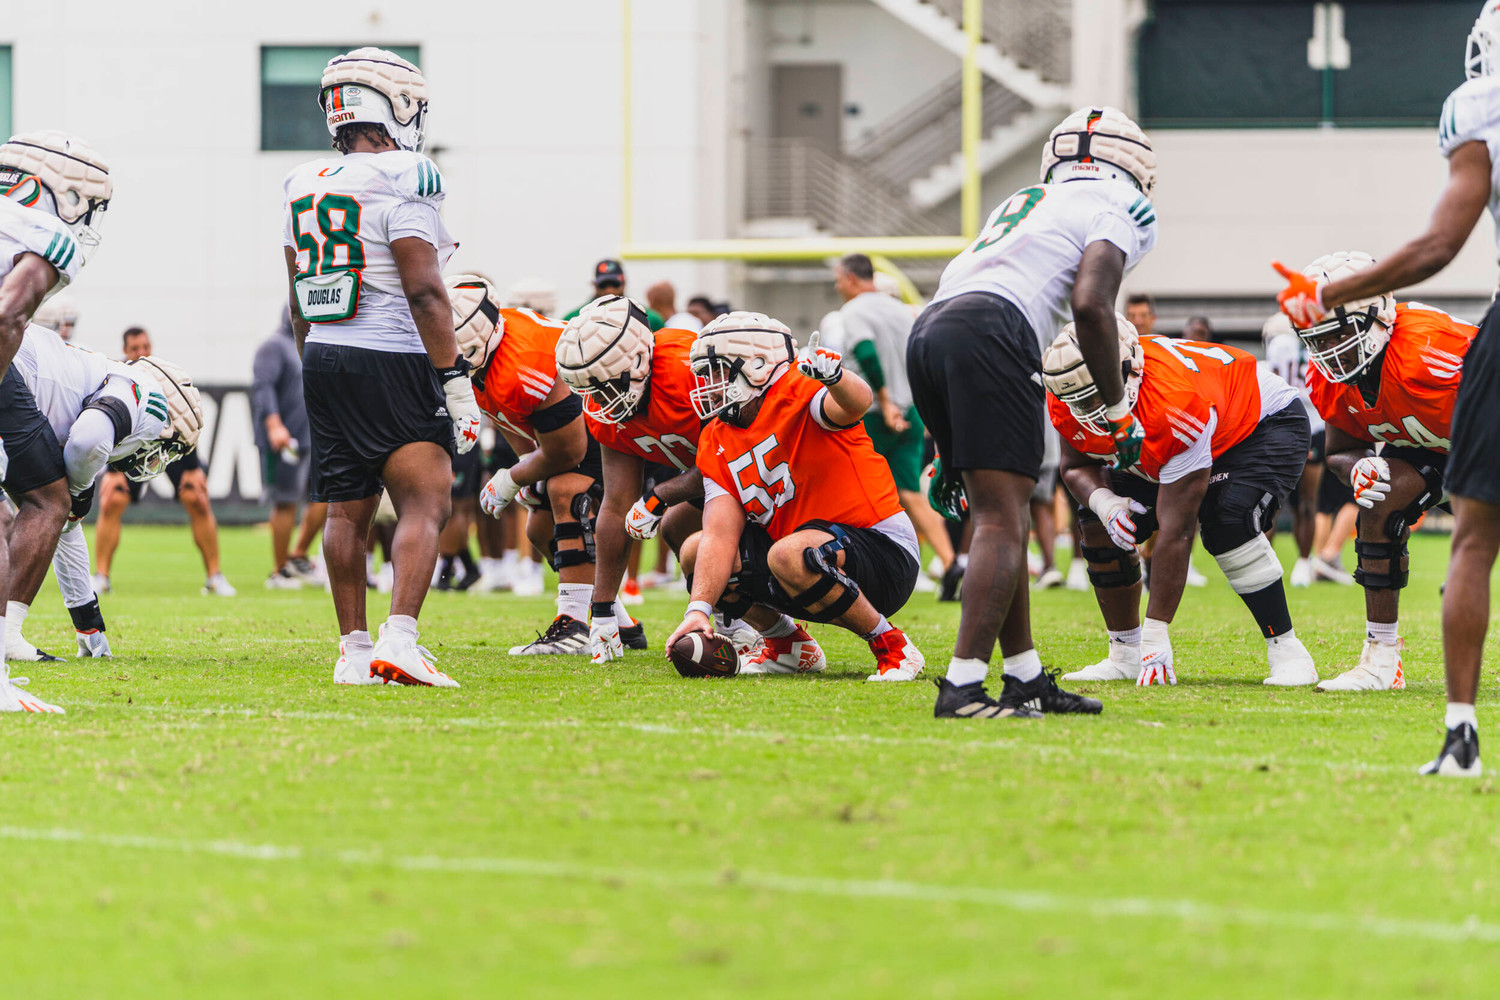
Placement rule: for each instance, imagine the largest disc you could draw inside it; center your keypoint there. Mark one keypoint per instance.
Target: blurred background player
(388, 396)
(55, 191)
(285, 442)
(1287, 359)
(189, 484)
(1051, 252)
(609, 279)
(58, 314)
(1225, 443)
(1385, 378)
(514, 358)
(800, 514)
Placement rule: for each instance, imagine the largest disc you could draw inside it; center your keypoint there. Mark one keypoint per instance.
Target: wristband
(458, 369)
(654, 504)
(1118, 411)
(702, 607)
(601, 609)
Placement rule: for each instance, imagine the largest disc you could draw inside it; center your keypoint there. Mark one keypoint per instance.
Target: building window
(1207, 64)
(289, 76)
(5, 92)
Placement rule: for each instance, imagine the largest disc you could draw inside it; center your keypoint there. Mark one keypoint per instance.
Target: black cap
(609, 272)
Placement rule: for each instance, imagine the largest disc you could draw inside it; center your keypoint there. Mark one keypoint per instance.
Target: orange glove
(1302, 298)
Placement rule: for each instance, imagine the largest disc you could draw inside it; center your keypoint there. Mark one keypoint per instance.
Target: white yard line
(731, 880)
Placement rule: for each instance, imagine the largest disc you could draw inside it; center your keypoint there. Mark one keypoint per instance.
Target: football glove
(1115, 511)
(945, 492)
(644, 519)
(82, 503)
(463, 410)
(1302, 298)
(1156, 655)
(1128, 434)
(498, 493)
(1371, 480)
(604, 640)
(531, 498)
(93, 645)
(820, 363)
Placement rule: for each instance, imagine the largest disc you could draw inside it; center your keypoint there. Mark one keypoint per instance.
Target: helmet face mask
(377, 87)
(1482, 50)
(1353, 335)
(735, 360)
(1067, 376)
(604, 355)
(184, 420)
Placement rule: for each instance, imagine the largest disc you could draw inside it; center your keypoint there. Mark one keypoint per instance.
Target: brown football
(698, 655)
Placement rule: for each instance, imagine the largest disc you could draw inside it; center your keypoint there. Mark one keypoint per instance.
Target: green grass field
(214, 818)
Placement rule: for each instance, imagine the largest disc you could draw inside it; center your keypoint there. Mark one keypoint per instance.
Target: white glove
(604, 640)
(93, 644)
(1114, 511)
(498, 493)
(4, 462)
(1156, 655)
(820, 363)
(1371, 479)
(463, 411)
(644, 518)
(530, 498)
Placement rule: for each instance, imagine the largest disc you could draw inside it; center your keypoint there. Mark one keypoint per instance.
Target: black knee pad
(1395, 577)
(560, 557)
(1234, 515)
(833, 581)
(1397, 524)
(1127, 571)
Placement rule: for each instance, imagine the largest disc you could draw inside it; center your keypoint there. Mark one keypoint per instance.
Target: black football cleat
(953, 578)
(1459, 757)
(634, 636)
(1042, 694)
(970, 701)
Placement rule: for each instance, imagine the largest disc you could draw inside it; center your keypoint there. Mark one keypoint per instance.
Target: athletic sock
(1023, 666)
(783, 628)
(962, 671)
(573, 600)
(1268, 607)
(622, 616)
(881, 628)
(1383, 632)
(467, 561)
(401, 625)
(1127, 637)
(15, 615)
(357, 641)
(1459, 713)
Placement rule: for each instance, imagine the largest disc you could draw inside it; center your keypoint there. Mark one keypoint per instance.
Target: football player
(513, 353)
(1226, 441)
(56, 191)
(800, 513)
(636, 388)
(1384, 376)
(1469, 136)
(1052, 252)
(137, 419)
(388, 397)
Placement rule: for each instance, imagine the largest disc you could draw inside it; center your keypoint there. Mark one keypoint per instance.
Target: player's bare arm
(556, 451)
(1343, 450)
(1081, 474)
(1177, 516)
(713, 564)
(1094, 294)
(624, 477)
(20, 294)
(300, 326)
(681, 489)
(427, 297)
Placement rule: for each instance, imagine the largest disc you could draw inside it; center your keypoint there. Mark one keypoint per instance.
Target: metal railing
(926, 133)
(799, 179)
(1037, 34)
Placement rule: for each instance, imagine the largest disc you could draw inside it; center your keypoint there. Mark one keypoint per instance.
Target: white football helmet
(184, 420)
(604, 355)
(1482, 54)
(1099, 142)
(477, 323)
(1352, 335)
(531, 292)
(1279, 325)
(60, 174)
(379, 87)
(1067, 377)
(58, 311)
(735, 359)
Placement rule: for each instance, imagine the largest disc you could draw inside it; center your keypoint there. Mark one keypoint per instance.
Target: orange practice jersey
(1183, 379)
(787, 470)
(522, 370)
(667, 430)
(1420, 371)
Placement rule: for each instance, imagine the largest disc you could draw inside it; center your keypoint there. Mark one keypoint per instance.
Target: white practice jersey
(65, 379)
(1286, 357)
(31, 230)
(1031, 246)
(1472, 114)
(341, 215)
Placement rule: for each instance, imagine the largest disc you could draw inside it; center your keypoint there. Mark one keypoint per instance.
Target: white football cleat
(896, 657)
(793, 654)
(217, 586)
(13, 699)
(1322, 569)
(93, 645)
(1378, 669)
(1078, 574)
(354, 670)
(1302, 573)
(19, 649)
(1195, 578)
(398, 659)
(1291, 664)
(530, 580)
(100, 583)
(746, 641)
(1122, 664)
(924, 585)
(1050, 579)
